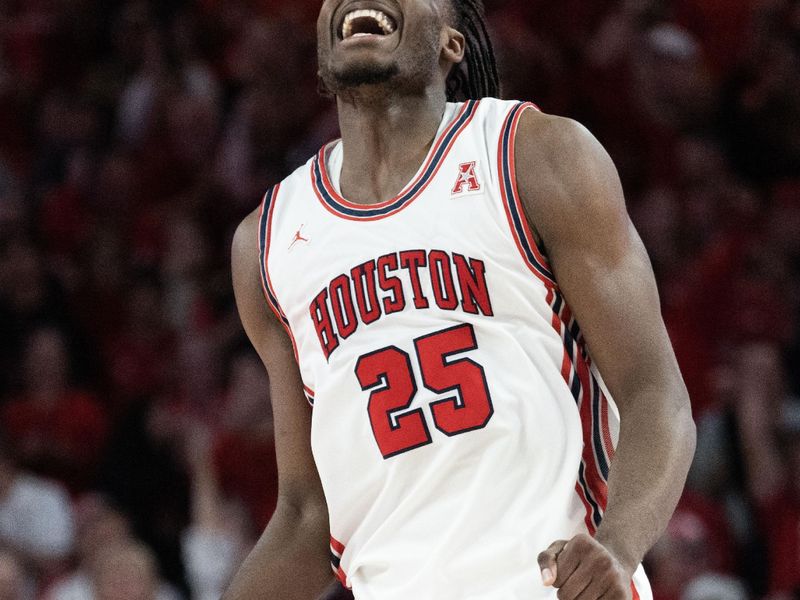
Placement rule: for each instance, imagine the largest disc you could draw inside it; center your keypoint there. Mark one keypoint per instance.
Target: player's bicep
(614, 297)
(577, 206)
(297, 474)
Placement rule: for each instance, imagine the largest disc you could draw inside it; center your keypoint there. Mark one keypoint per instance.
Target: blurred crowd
(136, 442)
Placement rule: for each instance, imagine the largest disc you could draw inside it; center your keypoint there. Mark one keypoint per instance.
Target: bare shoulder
(560, 148)
(564, 175)
(246, 271)
(245, 240)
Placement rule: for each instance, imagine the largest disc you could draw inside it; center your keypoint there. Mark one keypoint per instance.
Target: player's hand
(582, 568)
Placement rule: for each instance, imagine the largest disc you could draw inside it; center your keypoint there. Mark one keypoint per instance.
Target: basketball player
(458, 291)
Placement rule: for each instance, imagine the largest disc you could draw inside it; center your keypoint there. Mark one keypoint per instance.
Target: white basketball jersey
(458, 424)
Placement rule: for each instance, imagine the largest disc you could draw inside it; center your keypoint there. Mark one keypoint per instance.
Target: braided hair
(476, 77)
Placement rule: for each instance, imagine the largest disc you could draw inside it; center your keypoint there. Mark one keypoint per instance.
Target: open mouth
(364, 22)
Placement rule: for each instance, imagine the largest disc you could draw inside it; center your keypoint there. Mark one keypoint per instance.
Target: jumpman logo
(298, 237)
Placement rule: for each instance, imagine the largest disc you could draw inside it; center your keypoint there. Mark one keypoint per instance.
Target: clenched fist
(583, 569)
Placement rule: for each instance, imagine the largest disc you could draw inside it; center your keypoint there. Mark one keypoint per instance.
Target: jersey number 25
(387, 374)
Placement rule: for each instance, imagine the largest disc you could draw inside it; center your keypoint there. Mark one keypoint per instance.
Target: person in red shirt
(55, 429)
(244, 447)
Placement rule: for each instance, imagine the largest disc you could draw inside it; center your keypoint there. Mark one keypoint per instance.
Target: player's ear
(453, 45)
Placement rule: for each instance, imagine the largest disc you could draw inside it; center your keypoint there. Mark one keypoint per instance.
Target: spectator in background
(683, 553)
(265, 56)
(144, 475)
(129, 570)
(13, 585)
(244, 444)
(30, 295)
(184, 262)
(111, 563)
(137, 111)
(99, 527)
(763, 105)
(55, 429)
(769, 425)
(36, 520)
(220, 534)
(135, 354)
(715, 587)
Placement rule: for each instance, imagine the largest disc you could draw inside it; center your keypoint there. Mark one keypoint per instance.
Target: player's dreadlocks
(476, 77)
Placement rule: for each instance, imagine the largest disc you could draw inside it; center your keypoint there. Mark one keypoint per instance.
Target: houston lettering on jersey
(386, 285)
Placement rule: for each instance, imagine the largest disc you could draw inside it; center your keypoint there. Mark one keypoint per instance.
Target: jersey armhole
(264, 239)
(532, 252)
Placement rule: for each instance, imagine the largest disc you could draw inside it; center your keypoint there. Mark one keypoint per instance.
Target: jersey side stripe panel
(337, 549)
(601, 435)
(592, 482)
(578, 378)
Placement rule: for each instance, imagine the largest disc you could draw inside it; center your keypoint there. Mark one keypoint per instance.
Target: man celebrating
(466, 297)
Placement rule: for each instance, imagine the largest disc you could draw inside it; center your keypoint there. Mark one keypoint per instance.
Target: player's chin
(362, 71)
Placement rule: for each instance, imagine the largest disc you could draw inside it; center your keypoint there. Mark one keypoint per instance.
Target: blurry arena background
(136, 456)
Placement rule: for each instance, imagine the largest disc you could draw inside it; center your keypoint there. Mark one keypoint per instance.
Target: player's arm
(290, 561)
(572, 193)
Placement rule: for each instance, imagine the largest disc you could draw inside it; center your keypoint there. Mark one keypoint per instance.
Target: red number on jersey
(388, 375)
(471, 408)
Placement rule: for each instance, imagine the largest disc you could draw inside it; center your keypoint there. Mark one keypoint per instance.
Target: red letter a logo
(466, 178)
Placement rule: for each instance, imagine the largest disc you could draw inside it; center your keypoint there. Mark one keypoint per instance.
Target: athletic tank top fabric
(459, 426)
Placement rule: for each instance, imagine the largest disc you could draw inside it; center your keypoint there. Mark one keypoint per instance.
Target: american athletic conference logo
(467, 181)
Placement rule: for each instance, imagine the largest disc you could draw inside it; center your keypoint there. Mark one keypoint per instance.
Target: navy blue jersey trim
(508, 182)
(442, 146)
(262, 243)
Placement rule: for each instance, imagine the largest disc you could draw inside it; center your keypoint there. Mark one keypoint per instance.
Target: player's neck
(385, 140)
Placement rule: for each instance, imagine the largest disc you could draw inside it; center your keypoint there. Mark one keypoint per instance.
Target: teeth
(381, 18)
